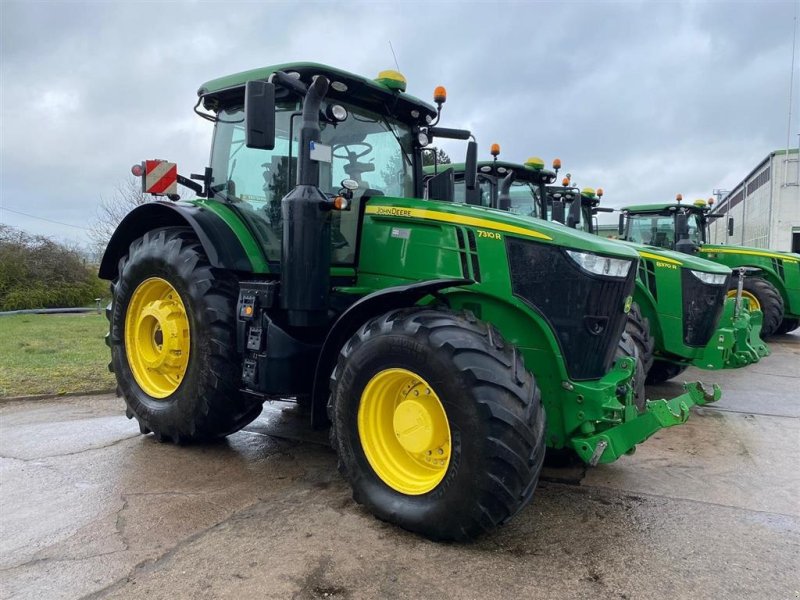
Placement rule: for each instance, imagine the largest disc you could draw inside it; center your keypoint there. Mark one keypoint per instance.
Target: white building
(765, 206)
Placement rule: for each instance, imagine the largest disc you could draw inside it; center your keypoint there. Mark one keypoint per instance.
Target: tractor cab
(368, 145)
(673, 226)
(512, 187)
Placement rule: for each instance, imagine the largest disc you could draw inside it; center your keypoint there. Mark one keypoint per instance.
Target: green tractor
(317, 261)
(680, 316)
(772, 281)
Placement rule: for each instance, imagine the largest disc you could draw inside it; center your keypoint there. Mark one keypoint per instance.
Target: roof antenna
(394, 55)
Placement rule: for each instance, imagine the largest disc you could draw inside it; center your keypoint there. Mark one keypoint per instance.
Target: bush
(36, 272)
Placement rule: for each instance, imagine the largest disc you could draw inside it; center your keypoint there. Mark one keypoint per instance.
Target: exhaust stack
(306, 236)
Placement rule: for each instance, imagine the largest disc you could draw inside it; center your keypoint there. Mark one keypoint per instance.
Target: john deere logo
(628, 302)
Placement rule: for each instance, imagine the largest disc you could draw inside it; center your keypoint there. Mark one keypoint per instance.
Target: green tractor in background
(772, 282)
(318, 261)
(680, 316)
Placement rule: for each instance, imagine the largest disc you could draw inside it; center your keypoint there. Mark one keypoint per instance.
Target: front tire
(420, 384)
(637, 337)
(662, 371)
(173, 342)
(767, 299)
(787, 326)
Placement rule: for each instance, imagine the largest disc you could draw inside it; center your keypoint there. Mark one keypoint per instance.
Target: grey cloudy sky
(642, 98)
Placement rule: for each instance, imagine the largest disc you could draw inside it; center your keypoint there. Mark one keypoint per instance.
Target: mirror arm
(452, 134)
(195, 187)
(290, 83)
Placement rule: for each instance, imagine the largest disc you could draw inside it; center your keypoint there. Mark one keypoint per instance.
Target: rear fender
(221, 245)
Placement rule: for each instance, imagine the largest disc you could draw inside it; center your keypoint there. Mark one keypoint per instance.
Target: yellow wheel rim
(157, 337)
(754, 303)
(404, 431)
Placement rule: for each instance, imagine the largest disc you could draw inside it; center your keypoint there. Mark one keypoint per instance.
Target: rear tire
(770, 301)
(787, 326)
(492, 406)
(207, 403)
(662, 371)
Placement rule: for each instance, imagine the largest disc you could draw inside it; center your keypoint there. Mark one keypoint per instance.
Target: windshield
(525, 199)
(568, 196)
(367, 147)
(584, 216)
(651, 229)
(484, 187)
(524, 194)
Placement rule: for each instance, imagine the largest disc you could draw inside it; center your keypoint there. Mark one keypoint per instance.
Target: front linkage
(630, 427)
(603, 428)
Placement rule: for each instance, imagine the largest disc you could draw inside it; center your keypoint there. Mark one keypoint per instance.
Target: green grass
(53, 354)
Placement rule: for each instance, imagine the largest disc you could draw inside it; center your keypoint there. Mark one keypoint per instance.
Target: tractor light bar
(710, 278)
(601, 265)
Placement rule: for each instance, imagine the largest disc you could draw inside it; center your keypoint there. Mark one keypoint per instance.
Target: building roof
(758, 167)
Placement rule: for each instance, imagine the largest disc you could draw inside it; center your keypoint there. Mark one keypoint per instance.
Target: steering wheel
(353, 156)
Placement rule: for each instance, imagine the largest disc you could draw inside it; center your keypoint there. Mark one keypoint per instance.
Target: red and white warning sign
(160, 177)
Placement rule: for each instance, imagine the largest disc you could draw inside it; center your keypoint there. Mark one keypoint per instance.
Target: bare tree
(127, 196)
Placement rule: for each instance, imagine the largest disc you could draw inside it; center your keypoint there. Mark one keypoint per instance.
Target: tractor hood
(494, 220)
(677, 258)
(749, 250)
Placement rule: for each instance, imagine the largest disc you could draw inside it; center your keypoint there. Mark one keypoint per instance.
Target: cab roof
(662, 206)
(545, 175)
(230, 88)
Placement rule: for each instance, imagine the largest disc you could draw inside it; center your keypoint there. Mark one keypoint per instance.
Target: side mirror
(730, 226)
(682, 241)
(621, 226)
(471, 166)
(681, 226)
(442, 186)
(259, 115)
(558, 211)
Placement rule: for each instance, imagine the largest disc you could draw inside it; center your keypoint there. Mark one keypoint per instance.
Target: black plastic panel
(585, 311)
(702, 308)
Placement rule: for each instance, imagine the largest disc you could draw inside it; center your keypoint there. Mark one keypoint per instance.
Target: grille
(584, 310)
(647, 275)
(777, 264)
(702, 308)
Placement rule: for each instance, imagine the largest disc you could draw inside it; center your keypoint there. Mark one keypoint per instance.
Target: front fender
(372, 305)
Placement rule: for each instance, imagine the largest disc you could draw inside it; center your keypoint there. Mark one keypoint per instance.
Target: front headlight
(601, 265)
(710, 278)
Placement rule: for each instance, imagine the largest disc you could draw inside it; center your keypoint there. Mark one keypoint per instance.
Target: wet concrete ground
(90, 508)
